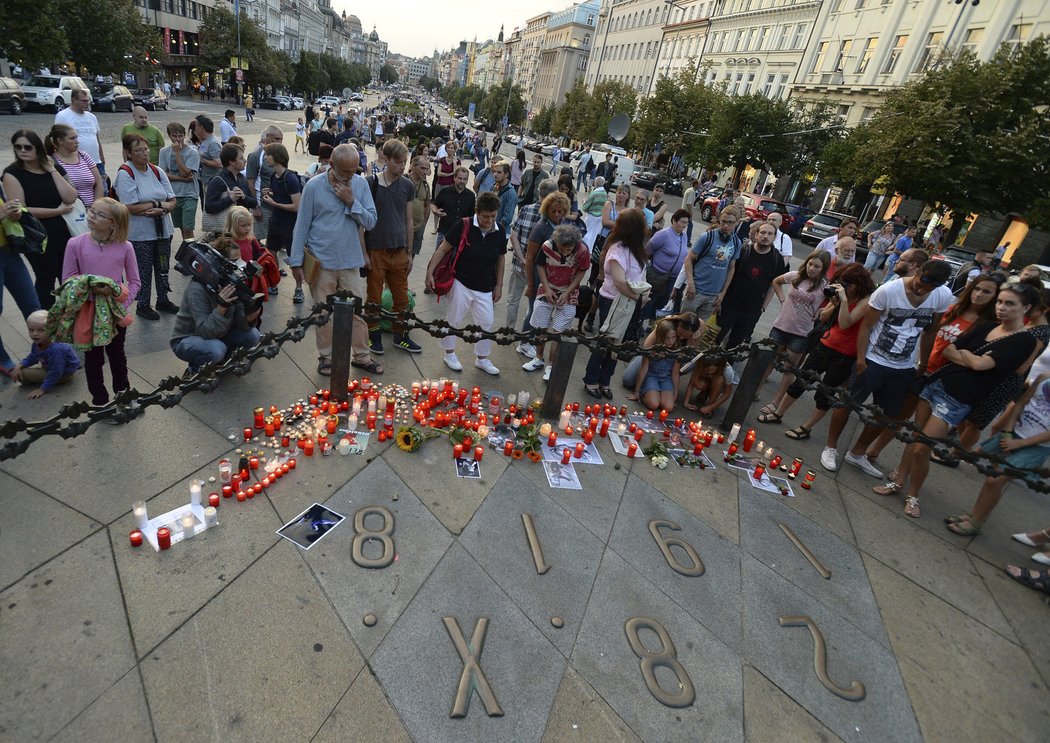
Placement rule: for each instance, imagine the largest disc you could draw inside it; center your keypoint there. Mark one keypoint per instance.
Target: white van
(624, 164)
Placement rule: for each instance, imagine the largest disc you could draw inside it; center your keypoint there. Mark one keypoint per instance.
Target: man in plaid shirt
(528, 218)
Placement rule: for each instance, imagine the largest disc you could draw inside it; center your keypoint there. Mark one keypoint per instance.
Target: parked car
(298, 103)
(273, 104)
(512, 138)
(356, 97)
(12, 97)
(819, 226)
(648, 178)
(955, 256)
(151, 99)
(51, 91)
(111, 98)
(327, 100)
(756, 206)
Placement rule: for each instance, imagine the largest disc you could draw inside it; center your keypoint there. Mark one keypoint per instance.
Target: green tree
(110, 36)
(572, 119)
(608, 99)
(544, 118)
(218, 44)
(503, 98)
(309, 76)
(388, 74)
(969, 134)
(674, 117)
(749, 130)
(360, 75)
(32, 33)
(430, 84)
(818, 126)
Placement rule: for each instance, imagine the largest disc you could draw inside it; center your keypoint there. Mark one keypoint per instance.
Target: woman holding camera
(798, 314)
(146, 191)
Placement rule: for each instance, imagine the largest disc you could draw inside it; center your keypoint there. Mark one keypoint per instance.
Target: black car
(647, 178)
(12, 97)
(111, 98)
(273, 104)
(151, 99)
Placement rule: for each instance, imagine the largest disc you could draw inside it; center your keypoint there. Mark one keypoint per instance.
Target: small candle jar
(649, 414)
(247, 434)
(568, 430)
(566, 454)
(213, 500)
(508, 447)
(138, 510)
(576, 407)
(663, 416)
(588, 436)
(623, 411)
(638, 434)
(621, 429)
(211, 517)
(225, 470)
(545, 430)
(580, 448)
(633, 427)
(479, 452)
(253, 463)
(135, 538)
(256, 488)
(807, 481)
(632, 449)
(285, 442)
(698, 450)
(775, 461)
(333, 424)
(734, 432)
(523, 399)
(188, 526)
(227, 491)
(308, 448)
(260, 417)
(760, 470)
(457, 451)
(314, 399)
(241, 496)
(604, 430)
(164, 537)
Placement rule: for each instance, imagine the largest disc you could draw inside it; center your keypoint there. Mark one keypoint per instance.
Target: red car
(756, 206)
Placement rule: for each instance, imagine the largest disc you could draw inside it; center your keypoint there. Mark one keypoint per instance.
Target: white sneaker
(486, 366)
(526, 349)
(829, 459)
(546, 374)
(452, 362)
(532, 365)
(861, 461)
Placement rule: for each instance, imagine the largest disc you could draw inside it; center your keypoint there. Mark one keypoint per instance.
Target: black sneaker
(407, 344)
(375, 342)
(297, 297)
(147, 313)
(168, 306)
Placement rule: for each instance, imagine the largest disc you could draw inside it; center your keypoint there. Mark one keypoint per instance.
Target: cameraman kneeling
(210, 326)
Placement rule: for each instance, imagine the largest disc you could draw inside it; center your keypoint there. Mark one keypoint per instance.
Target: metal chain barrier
(131, 403)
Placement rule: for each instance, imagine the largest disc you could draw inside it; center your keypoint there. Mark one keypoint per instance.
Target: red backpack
(130, 171)
(445, 273)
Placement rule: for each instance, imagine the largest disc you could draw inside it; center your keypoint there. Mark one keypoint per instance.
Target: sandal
(594, 391)
(957, 519)
(965, 528)
(371, 366)
(773, 417)
(324, 366)
(911, 507)
(767, 409)
(946, 461)
(1038, 580)
(889, 488)
(799, 433)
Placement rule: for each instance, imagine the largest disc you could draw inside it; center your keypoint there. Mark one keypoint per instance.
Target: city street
(240, 635)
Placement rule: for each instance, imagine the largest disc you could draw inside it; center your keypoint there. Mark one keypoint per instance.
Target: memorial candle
(566, 454)
(632, 449)
(260, 417)
(580, 449)
(523, 399)
(552, 439)
(135, 537)
(734, 432)
(604, 430)
(211, 517)
(807, 482)
(213, 500)
(588, 436)
(563, 419)
(508, 447)
(138, 510)
(164, 537)
(638, 434)
(227, 491)
(247, 434)
(457, 451)
(479, 452)
(195, 493)
(188, 526)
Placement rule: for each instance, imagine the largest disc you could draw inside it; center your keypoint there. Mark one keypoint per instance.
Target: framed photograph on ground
(306, 529)
(561, 475)
(468, 468)
(553, 453)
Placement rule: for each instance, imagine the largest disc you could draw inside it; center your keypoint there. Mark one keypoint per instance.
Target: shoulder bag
(445, 272)
(215, 222)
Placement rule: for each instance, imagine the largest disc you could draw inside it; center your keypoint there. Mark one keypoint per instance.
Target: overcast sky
(415, 28)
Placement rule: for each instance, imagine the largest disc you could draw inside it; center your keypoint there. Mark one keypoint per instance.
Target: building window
(843, 112)
(1019, 33)
(929, 52)
(972, 39)
(844, 50)
(750, 39)
(800, 35)
(861, 4)
(818, 61)
(739, 40)
(768, 88)
(750, 83)
(763, 38)
(590, 19)
(785, 31)
(895, 54)
(865, 57)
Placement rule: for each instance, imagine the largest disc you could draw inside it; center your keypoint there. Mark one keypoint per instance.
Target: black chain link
(131, 403)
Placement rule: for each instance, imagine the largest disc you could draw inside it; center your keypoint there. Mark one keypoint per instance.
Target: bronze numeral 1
(534, 544)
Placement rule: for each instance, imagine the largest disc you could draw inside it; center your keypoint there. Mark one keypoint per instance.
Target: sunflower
(407, 440)
(535, 456)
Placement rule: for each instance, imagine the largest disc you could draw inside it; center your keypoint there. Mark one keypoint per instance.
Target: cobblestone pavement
(241, 635)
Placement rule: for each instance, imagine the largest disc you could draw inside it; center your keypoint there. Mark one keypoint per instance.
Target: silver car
(820, 226)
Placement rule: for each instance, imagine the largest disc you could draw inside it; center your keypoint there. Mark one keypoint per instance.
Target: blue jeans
(197, 351)
(14, 276)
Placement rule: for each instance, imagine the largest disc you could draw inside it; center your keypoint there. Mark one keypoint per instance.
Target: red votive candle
(552, 440)
(457, 451)
(663, 416)
(580, 448)
(253, 462)
(508, 447)
(164, 537)
(588, 436)
(213, 500)
(638, 434)
(759, 471)
(604, 430)
(260, 417)
(135, 537)
(268, 429)
(227, 491)
(698, 450)
(308, 448)
(241, 496)
(479, 452)
(247, 434)
(566, 454)
(632, 449)
(285, 442)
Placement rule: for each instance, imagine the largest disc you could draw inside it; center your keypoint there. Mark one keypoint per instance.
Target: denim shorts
(888, 387)
(791, 341)
(945, 407)
(653, 383)
(1028, 457)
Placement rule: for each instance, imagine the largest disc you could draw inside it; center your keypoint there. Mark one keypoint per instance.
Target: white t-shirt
(828, 244)
(894, 340)
(1041, 365)
(687, 198)
(782, 242)
(87, 129)
(1035, 418)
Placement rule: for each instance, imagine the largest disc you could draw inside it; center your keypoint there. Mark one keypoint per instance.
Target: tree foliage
(749, 130)
(608, 99)
(677, 114)
(572, 118)
(969, 134)
(500, 99)
(544, 119)
(387, 74)
(218, 44)
(460, 97)
(430, 84)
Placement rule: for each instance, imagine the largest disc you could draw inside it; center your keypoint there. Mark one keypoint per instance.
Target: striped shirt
(79, 174)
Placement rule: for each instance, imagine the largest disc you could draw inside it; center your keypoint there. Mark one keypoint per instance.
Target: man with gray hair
(528, 218)
(258, 173)
(334, 209)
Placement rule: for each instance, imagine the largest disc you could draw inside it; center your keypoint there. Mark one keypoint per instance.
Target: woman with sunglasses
(974, 362)
(33, 180)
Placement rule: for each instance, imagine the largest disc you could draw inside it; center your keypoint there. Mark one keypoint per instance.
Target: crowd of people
(969, 357)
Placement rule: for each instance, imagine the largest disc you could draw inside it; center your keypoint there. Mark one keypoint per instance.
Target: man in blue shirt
(710, 265)
(335, 208)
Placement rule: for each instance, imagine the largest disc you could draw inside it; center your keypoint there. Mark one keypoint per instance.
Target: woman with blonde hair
(62, 144)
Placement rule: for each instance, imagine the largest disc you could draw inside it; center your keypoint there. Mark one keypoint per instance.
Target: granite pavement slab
(122, 707)
(418, 542)
(36, 528)
(65, 640)
(771, 715)
(419, 667)
(364, 712)
(266, 659)
(580, 715)
(713, 598)
(496, 538)
(847, 591)
(603, 656)
(785, 655)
